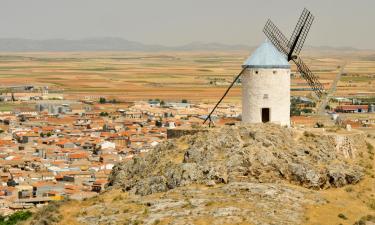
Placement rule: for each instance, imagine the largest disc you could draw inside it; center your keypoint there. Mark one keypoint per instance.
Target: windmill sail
(311, 79)
(300, 32)
(276, 37)
(292, 47)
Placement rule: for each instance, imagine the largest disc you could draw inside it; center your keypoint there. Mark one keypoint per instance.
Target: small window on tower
(256, 71)
(265, 96)
(274, 72)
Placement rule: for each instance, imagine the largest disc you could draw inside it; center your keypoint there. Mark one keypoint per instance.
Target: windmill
(274, 58)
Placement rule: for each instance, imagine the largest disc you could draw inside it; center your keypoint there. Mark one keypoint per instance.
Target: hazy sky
(175, 22)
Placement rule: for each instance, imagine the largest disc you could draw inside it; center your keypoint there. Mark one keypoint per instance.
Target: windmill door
(265, 115)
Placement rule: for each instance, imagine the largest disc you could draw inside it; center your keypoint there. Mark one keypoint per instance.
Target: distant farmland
(167, 75)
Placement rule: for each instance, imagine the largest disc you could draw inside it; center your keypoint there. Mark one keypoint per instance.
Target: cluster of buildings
(67, 149)
(346, 105)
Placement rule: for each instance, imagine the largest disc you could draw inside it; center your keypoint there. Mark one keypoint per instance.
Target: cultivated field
(197, 76)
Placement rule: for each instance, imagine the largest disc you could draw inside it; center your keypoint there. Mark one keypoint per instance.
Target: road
(331, 92)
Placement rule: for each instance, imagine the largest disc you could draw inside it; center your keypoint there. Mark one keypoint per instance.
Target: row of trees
(103, 100)
(298, 106)
(297, 111)
(163, 103)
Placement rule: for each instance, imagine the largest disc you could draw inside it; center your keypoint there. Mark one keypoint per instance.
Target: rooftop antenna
(291, 49)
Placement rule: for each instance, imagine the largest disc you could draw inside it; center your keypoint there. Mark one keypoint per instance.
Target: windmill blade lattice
(309, 77)
(300, 32)
(276, 37)
(293, 47)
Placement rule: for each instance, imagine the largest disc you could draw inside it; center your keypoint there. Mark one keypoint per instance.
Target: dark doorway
(265, 115)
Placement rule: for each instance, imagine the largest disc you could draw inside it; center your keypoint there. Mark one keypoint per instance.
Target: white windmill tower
(266, 87)
(266, 75)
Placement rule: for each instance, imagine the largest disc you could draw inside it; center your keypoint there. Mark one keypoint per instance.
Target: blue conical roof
(266, 56)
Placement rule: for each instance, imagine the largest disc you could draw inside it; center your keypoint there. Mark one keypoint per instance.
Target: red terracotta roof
(351, 107)
(80, 155)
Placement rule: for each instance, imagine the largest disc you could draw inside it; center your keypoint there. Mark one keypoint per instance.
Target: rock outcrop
(255, 153)
(234, 203)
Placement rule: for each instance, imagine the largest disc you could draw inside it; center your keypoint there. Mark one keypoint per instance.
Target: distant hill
(120, 44)
(104, 44)
(330, 48)
(210, 46)
(90, 44)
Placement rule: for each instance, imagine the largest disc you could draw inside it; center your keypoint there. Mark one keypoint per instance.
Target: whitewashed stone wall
(269, 88)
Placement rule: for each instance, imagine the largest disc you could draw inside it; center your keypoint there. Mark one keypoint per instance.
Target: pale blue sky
(175, 22)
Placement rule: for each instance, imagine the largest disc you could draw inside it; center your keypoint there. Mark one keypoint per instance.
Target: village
(57, 149)
(66, 149)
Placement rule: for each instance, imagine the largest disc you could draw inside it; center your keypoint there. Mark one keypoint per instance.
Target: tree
(103, 114)
(319, 125)
(162, 103)
(102, 100)
(158, 123)
(184, 101)
(307, 110)
(295, 112)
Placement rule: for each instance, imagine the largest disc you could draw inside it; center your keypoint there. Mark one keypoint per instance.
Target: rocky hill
(258, 174)
(257, 154)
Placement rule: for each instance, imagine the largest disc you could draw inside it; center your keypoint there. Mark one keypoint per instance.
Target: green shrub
(371, 204)
(103, 114)
(157, 221)
(117, 198)
(349, 189)
(102, 100)
(342, 216)
(369, 146)
(126, 210)
(362, 221)
(370, 149)
(319, 125)
(209, 203)
(308, 134)
(48, 214)
(15, 218)
(146, 211)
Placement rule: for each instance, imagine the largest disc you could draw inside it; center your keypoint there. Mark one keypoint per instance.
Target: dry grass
(353, 204)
